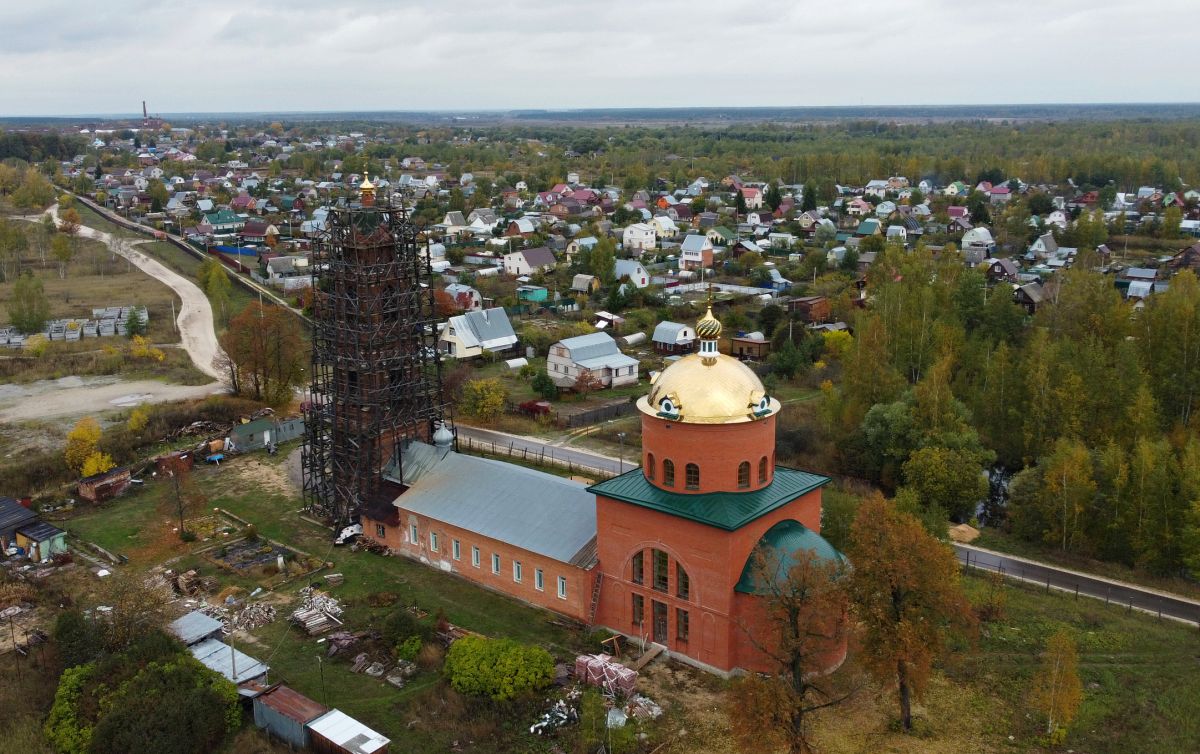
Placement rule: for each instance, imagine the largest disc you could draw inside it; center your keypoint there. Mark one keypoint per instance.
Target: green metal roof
(724, 510)
(786, 538)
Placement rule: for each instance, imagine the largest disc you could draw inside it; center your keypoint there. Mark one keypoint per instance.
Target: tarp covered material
(238, 251)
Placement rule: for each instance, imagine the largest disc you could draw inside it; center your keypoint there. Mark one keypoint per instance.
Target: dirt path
(74, 396)
(195, 318)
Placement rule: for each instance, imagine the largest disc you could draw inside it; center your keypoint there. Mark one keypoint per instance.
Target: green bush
(500, 669)
(409, 648)
(76, 638)
(402, 625)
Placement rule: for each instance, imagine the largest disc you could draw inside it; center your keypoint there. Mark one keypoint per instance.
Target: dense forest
(1084, 417)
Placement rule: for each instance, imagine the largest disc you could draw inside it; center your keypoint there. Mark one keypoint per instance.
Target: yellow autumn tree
(1057, 690)
(96, 463)
(82, 441)
(138, 419)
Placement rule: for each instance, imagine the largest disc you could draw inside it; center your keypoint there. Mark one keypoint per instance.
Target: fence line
(1070, 587)
(542, 457)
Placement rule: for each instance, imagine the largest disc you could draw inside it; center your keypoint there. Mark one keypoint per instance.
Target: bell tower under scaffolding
(376, 377)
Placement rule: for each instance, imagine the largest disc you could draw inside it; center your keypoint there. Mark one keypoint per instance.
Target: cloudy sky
(83, 56)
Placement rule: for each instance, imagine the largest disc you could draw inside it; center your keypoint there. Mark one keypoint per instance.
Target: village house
(674, 338)
(528, 261)
(595, 353)
(631, 270)
(753, 197)
(471, 334)
(696, 252)
(465, 297)
(751, 346)
(639, 237)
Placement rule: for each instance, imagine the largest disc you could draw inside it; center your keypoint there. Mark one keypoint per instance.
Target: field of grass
(95, 278)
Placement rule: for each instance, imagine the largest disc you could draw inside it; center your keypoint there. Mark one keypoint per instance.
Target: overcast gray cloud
(80, 56)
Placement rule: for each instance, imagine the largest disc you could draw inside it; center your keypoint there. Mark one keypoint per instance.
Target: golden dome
(720, 390)
(366, 185)
(709, 327)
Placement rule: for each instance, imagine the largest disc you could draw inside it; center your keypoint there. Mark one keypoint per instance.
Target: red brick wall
(716, 448)
(579, 581)
(712, 557)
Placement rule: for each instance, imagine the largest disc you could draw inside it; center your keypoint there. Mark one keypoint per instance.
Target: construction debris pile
(398, 676)
(318, 612)
(603, 671)
(563, 712)
(189, 583)
(248, 617)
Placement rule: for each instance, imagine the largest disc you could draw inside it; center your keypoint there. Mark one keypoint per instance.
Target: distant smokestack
(144, 115)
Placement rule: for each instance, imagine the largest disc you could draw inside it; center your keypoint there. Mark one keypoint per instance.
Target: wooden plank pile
(317, 613)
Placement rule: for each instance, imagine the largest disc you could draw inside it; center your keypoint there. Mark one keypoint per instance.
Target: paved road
(1119, 593)
(537, 448)
(1061, 579)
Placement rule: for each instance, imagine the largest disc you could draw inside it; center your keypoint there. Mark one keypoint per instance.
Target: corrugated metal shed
(221, 658)
(195, 627)
(285, 713)
(335, 731)
(538, 512)
(13, 514)
(724, 510)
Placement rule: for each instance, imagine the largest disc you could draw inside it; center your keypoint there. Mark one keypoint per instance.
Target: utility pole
(178, 498)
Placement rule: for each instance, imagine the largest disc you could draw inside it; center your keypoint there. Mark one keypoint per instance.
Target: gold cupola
(708, 329)
(367, 190)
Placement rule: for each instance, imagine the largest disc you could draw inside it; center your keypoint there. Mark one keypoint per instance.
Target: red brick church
(661, 553)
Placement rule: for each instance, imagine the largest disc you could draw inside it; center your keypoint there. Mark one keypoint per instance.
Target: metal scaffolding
(376, 378)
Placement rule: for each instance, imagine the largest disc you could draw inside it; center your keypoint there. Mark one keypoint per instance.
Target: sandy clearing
(72, 396)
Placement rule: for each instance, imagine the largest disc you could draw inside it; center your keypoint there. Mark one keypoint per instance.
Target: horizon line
(587, 109)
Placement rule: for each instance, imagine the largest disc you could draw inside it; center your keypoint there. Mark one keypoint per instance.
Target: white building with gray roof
(596, 353)
(471, 334)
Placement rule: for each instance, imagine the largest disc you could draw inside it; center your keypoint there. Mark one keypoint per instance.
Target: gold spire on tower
(367, 189)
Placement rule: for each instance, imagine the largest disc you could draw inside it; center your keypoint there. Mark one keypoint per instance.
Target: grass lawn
(1140, 675)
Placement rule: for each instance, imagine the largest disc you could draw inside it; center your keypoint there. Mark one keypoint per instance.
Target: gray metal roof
(590, 346)
(669, 332)
(193, 627)
(221, 658)
(13, 514)
(532, 510)
(490, 328)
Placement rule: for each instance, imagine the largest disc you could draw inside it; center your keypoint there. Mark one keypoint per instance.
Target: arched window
(692, 476)
(743, 475)
(650, 466)
(762, 470)
(683, 584)
(668, 473)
